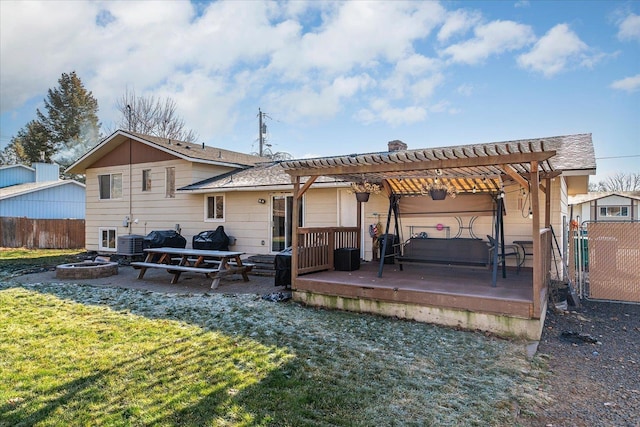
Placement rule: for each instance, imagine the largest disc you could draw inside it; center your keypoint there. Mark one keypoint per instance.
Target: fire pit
(86, 270)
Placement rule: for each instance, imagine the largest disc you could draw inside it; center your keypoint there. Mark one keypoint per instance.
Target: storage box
(346, 259)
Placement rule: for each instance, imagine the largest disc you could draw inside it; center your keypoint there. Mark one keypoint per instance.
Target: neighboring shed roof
(256, 177)
(597, 195)
(17, 166)
(32, 187)
(196, 153)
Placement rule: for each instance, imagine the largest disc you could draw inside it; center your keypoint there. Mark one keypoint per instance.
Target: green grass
(82, 355)
(20, 260)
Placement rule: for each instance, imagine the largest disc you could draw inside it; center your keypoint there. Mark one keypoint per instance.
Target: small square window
(107, 239)
(215, 208)
(110, 186)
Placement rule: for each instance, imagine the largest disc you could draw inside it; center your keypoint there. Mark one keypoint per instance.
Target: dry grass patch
(82, 355)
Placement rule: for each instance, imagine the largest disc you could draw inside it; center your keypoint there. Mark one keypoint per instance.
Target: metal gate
(604, 259)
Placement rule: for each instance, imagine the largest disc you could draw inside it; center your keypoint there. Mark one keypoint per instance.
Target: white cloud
(491, 39)
(465, 89)
(458, 22)
(312, 102)
(628, 84)
(555, 51)
(358, 35)
(629, 28)
(381, 111)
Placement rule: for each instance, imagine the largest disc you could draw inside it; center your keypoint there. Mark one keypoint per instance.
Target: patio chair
(509, 251)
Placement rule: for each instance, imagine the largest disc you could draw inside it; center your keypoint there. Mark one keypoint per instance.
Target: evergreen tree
(71, 121)
(31, 144)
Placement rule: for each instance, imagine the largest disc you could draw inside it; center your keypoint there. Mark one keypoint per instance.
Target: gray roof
(31, 187)
(573, 152)
(196, 153)
(262, 175)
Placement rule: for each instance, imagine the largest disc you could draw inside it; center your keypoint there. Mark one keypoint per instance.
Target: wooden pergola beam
(509, 170)
(466, 162)
(306, 186)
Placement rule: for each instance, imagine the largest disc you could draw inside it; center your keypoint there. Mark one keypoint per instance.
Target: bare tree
(153, 116)
(618, 182)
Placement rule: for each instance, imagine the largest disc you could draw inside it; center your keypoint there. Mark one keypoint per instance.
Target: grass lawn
(82, 355)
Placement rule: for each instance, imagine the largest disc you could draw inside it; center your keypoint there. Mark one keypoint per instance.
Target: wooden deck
(427, 288)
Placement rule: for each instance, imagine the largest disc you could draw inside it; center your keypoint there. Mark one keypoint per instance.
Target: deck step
(263, 265)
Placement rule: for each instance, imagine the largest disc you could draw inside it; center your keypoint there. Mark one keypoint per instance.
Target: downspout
(130, 188)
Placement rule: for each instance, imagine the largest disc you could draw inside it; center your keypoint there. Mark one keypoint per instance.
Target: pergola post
(295, 217)
(535, 234)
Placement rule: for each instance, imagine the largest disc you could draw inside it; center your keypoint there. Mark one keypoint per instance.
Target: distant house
(37, 192)
(606, 206)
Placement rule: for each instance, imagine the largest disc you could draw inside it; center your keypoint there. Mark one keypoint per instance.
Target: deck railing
(316, 246)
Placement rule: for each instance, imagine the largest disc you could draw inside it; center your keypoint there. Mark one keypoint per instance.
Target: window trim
(115, 239)
(170, 187)
(146, 181)
(111, 186)
(206, 207)
(606, 211)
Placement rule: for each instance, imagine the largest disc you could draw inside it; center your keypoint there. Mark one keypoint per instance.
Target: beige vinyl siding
(321, 206)
(152, 209)
(200, 172)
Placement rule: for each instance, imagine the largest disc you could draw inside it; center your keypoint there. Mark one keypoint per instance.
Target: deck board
(464, 288)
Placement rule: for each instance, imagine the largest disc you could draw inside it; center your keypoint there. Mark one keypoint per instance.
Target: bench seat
(457, 251)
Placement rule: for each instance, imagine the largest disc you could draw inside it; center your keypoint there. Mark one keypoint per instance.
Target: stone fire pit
(86, 270)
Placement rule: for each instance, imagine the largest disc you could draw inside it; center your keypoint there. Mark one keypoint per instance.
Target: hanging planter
(363, 190)
(439, 190)
(362, 197)
(438, 194)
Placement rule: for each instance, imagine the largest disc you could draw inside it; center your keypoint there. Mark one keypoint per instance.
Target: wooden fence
(41, 233)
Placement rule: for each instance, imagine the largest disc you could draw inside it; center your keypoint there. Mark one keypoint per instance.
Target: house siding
(15, 175)
(60, 202)
(245, 219)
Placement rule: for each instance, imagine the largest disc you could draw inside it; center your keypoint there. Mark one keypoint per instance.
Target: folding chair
(509, 250)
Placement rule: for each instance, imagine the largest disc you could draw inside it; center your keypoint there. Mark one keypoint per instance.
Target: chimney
(397, 145)
(46, 172)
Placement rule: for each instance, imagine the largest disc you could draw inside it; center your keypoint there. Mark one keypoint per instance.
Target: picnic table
(212, 263)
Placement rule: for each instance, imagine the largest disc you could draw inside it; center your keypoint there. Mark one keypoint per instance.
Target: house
(139, 183)
(36, 192)
(606, 206)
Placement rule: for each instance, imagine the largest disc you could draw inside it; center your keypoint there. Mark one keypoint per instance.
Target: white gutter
(280, 187)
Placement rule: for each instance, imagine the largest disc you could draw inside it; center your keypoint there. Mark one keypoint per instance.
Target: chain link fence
(604, 260)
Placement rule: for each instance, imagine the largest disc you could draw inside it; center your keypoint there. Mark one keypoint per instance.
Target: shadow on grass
(333, 368)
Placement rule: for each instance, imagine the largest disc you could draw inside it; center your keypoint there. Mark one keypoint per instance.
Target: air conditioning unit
(130, 245)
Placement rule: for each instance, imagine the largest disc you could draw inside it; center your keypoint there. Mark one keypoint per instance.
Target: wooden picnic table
(214, 264)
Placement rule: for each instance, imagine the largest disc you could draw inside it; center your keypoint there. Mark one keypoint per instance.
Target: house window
(146, 180)
(616, 211)
(107, 239)
(110, 186)
(214, 208)
(170, 188)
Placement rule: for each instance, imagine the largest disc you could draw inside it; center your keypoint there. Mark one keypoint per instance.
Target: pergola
(482, 168)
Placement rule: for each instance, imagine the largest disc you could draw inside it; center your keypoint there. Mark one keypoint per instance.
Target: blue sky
(342, 77)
